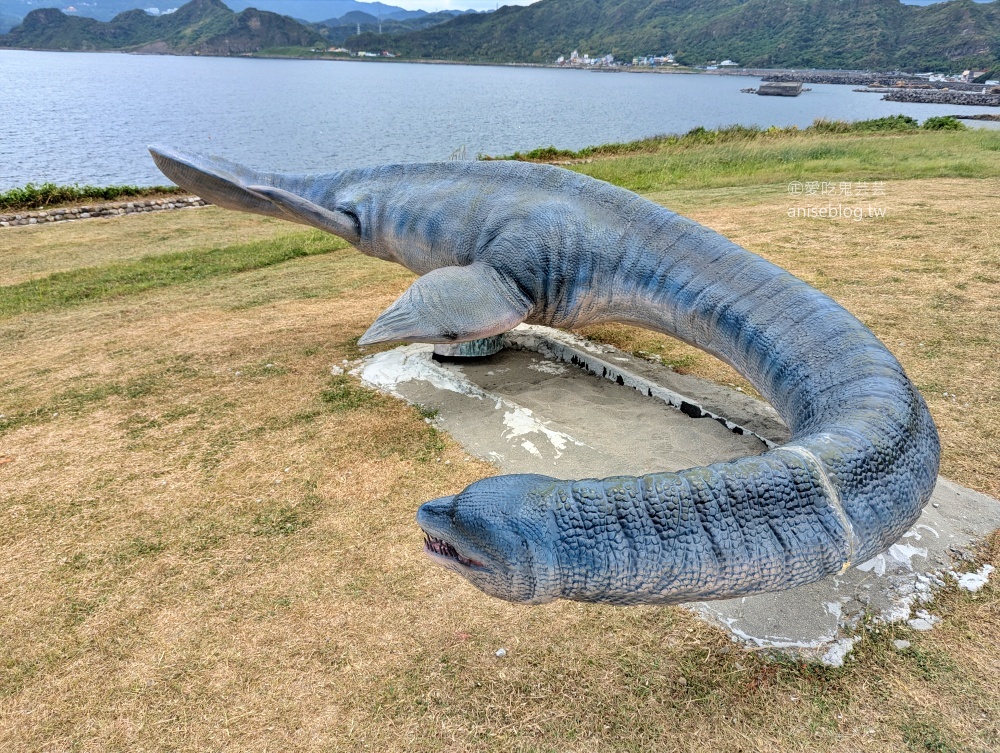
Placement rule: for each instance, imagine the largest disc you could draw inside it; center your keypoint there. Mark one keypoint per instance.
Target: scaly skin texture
(499, 243)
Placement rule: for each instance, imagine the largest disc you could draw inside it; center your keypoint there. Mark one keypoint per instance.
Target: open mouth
(442, 548)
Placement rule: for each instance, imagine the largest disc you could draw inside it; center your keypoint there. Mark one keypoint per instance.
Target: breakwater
(97, 211)
(854, 78)
(874, 81)
(992, 118)
(943, 97)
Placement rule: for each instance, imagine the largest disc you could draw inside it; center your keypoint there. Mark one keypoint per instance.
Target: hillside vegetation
(875, 34)
(872, 34)
(204, 27)
(306, 10)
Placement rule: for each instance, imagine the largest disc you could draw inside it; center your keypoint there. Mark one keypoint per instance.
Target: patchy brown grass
(208, 540)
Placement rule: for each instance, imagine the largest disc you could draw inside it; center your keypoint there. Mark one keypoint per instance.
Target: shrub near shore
(31, 196)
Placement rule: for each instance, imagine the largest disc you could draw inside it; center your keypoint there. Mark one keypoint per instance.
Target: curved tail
(232, 186)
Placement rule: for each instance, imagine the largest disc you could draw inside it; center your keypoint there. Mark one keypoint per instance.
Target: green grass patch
(875, 156)
(701, 136)
(281, 522)
(895, 147)
(47, 194)
(150, 272)
(345, 394)
(78, 400)
(923, 736)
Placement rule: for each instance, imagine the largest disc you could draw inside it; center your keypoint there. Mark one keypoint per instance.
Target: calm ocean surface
(87, 117)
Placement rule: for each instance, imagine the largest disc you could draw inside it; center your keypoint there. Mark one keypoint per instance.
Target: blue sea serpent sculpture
(500, 243)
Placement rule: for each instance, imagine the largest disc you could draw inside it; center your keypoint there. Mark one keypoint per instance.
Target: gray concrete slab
(556, 404)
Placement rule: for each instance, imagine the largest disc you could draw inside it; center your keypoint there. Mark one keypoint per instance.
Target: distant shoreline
(810, 75)
(659, 70)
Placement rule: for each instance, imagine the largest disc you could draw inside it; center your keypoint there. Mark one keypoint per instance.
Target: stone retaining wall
(94, 211)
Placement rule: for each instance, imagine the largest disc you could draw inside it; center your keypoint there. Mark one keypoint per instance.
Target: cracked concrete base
(555, 404)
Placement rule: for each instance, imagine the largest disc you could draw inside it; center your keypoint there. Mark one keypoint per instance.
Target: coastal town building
(586, 60)
(654, 60)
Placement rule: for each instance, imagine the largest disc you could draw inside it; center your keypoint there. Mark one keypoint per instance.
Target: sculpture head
(496, 534)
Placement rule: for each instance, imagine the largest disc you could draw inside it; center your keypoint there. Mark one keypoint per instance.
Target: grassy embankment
(208, 540)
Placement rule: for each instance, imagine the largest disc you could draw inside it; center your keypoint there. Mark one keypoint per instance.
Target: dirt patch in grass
(208, 540)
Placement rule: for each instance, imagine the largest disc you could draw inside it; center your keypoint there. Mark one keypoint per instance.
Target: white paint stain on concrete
(530, 447)
(762, 641)
(973, 581)
(904, 554)
(835, 655)
(386, 371)
(897, 557)
(520, 421)
(548, 367)
(566, 338)
(914, 533)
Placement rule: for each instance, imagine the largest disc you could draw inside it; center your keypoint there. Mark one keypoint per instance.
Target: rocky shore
(95, 211)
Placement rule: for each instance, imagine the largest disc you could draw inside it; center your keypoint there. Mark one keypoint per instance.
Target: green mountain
(202, 27)
(875, 34)
(307, 10)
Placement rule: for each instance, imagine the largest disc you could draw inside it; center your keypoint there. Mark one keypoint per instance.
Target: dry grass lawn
(208, 541)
